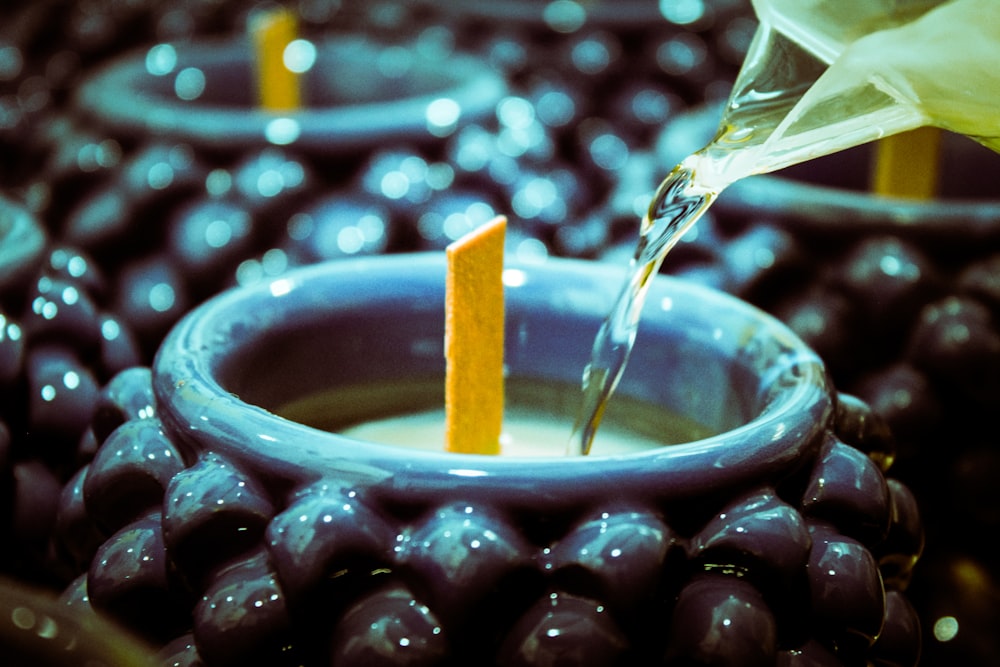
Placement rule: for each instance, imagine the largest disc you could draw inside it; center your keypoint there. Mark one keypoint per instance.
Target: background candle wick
(271, 31)
(474, 332)
(906, 164)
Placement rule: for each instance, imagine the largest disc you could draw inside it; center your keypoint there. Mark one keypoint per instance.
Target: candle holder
(212, 525)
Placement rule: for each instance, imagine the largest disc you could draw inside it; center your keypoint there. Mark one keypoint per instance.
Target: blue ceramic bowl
(263, 537)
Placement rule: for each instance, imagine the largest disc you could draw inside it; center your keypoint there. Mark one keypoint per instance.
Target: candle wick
(474, 340)
(907, 164)
(271, 31)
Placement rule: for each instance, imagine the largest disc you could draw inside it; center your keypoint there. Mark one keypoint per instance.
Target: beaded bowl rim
(192, 403)
(125, 96)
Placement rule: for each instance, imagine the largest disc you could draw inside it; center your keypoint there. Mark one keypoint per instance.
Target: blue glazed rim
(793, 400)
(126, 96)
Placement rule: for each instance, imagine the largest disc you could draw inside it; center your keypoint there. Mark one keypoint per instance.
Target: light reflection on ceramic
(268, 539)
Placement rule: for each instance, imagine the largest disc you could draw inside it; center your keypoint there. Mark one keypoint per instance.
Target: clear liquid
(821, 76)
(678, 203)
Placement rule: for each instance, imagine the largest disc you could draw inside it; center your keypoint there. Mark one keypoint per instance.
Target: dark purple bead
(158, 169)
(461, 555)
(857, 425)
(75, 536)
(181, 652)
(129, 473)
(242, 618)
(722, 620)
(848, 601)
(905, 542)
(889, 280)
(450, 215)
(567, 630)
(761, 261)
(618, 558)
(129, 580)
(12, 353)
(337, 226)
(899, 642)
(128, 395)
(152, 295)
(327, 545)
(981, 280)
(60, 311)
(810, 654)
(99, 222)
(908, 402)
(36, 501)
(207, 238)
(957, 341)
(759, 536)
(76, 598)
(830, 324)
(848, 489)
(62, 395)
(212, 512)
(118, 347)
(389, 628)
(69, 264)
(270, 179)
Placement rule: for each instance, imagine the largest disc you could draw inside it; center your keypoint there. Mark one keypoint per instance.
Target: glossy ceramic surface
(778, 540)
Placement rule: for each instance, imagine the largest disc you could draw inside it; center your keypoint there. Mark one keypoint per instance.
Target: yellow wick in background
(271, 31)
(906, 164)
(473, 343)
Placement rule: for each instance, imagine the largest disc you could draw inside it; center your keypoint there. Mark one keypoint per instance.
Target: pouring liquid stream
(679, 202)
(820, 77)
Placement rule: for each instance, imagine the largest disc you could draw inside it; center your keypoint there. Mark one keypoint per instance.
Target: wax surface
(524, 434)
(537, 418)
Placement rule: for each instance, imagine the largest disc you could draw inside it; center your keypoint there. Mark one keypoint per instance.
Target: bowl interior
(376, 348)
